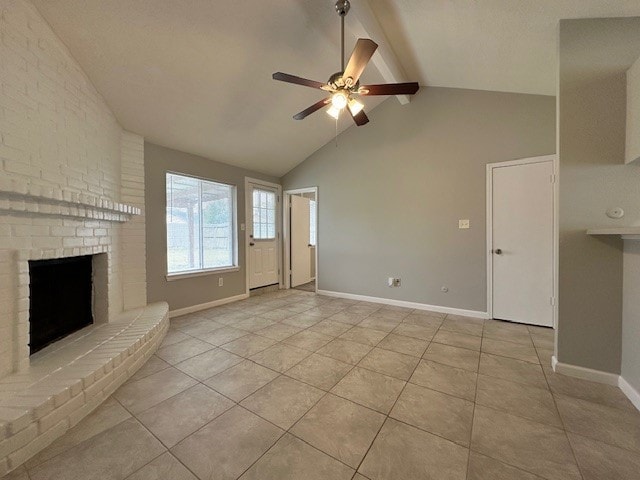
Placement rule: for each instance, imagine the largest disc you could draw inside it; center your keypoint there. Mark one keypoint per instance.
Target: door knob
(498, 251)
(251, 244)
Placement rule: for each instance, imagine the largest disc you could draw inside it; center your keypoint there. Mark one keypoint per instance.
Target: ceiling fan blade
(285, 77)
(313, 108)
(360, 57)
(359, 118)
(409, 88)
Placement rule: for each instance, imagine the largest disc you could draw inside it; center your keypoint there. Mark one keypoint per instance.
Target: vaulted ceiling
(195, 75)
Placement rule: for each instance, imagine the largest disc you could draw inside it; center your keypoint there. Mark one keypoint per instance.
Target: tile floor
(307, 287)
(291, 385)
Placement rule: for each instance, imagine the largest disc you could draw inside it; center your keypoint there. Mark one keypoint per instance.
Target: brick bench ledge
(68, 380)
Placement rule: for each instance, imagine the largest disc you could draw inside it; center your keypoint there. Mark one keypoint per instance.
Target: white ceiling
(500, 45)
(195, 75)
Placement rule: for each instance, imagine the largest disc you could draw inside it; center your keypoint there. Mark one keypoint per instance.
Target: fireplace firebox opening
(60, 299)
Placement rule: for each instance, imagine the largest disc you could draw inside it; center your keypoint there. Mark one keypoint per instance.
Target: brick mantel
(18, 195)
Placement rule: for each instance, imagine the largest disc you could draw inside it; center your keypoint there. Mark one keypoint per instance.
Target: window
(264, 214)
(200, 224)
(312, 222)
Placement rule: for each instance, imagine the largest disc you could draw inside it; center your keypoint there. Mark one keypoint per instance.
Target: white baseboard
(204, 306)
(584, 373)
(631, 393)
(598, 376)
(403, 303)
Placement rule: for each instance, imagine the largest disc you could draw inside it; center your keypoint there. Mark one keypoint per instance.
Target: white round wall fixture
(615, 212)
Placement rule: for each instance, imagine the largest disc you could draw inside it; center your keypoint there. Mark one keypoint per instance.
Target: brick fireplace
(71, 185)
(77, 225)
(71, 179)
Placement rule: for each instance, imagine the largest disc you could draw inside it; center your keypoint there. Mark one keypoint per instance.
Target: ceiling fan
(345, 84)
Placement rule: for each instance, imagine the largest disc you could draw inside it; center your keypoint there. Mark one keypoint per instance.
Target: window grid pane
(264, 214)
(200, 219)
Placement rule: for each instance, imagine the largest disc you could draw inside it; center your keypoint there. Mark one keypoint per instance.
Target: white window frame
(170, 276)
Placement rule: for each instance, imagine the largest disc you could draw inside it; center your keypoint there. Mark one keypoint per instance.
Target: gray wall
(631, 315)
(391, 193)
(593, 178)
(195, 290)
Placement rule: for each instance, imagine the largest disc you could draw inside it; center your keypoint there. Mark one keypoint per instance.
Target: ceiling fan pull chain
(337, 132)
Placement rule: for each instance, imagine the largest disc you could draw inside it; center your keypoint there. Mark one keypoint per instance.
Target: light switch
(463, 223)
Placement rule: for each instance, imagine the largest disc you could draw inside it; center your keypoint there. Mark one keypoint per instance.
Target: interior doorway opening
(301, 238)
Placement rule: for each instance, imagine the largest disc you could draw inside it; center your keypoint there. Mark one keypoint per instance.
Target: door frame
(286, 205)
(248, 202)
(489, 214)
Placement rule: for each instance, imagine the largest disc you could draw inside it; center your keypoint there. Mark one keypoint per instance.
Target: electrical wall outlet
(220, 281)
(463, 223)
(393, 282)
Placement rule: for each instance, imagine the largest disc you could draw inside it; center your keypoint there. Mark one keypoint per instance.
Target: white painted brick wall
(134, 270)
(55, 127)
(57, 132)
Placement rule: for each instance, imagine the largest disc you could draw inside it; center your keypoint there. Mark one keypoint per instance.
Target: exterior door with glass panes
(263, 241)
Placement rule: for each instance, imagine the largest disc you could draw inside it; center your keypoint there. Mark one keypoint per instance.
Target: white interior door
(300, 241)
(263, 242)
(522, 237)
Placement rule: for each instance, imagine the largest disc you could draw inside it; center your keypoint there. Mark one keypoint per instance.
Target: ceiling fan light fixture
(339, 100)
(355, 107)
(345, 83)
(333, 112)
